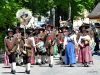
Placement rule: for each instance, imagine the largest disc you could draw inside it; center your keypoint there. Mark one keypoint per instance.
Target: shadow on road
(10, 72)
(6, 72)
(44, 65)
(6, 67)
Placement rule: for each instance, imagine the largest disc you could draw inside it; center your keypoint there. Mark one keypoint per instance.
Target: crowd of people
(39, 46)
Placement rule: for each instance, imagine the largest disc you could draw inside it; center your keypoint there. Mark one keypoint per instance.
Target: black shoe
(17, 64)
(71, 66)
(13, 71)
(63, 63)
(86, 65)
(50, 65)
(36, 63)
(28, 72)
(42, 62)
(60, 58)
(21, 63)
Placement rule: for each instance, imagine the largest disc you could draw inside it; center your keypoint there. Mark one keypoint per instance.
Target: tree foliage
(8, 8)
(8, 12)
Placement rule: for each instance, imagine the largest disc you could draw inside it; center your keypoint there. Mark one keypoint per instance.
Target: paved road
(57, 69)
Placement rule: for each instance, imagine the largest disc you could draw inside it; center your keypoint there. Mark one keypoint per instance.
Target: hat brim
(84, 26)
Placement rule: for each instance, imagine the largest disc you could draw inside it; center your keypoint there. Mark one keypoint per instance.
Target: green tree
(8, 13)
(8, 9)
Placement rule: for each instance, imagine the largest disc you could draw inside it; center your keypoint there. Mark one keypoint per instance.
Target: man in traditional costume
(50, 44)
(10, 47)
(32, 37)
(37, 40)
(61, 37)
(26, 47)
(17, 35)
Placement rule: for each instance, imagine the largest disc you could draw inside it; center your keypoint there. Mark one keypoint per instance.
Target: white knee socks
(51, 60)
(28, 65)
(13, 66)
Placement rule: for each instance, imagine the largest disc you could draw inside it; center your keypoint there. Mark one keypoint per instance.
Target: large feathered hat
(22, 12)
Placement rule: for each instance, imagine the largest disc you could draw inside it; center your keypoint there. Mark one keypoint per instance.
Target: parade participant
(69, 46)
(10, 47)
(61, 36)
(96, 39)
(31, 36)
(17, 35)
(84, 52)
(6, 59)
(92, 42)
(26, 50)
(50, 44)
(42, 51)
(56, 42)
(60, 46)
(37, 39)
(76, 42)
(41, 45)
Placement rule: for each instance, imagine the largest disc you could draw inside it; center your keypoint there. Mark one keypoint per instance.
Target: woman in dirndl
(69, 44)
(85, 56)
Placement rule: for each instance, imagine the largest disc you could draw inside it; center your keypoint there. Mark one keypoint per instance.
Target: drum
(40, 46)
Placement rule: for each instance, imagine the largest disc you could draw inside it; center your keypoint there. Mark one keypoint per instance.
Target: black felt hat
(86, 26)
(64, 27)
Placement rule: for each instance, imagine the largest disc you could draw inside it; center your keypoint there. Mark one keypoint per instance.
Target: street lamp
(69, 9)
(48, 13)
(53, 13)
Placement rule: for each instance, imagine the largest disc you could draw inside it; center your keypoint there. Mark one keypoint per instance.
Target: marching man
(10, 47)
(26, 46)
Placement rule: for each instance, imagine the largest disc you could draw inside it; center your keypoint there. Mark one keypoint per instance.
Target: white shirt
(33, 41)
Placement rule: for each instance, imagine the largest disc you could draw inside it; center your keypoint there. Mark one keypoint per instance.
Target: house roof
(95, 14)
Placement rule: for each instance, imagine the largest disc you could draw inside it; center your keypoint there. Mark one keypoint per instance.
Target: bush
(2, 35)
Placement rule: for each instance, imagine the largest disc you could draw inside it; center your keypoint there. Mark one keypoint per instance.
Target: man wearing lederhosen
(50, 44)
(37, 39)
(26, 50)
(17, 35)
(10, 47)
(41, 46)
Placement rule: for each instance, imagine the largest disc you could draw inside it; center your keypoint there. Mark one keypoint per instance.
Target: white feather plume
(23, 11)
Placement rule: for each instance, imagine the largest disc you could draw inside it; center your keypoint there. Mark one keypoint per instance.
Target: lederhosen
(27, 56)
(10, 45)
(42, 43)
(18, 39)
(49, 44)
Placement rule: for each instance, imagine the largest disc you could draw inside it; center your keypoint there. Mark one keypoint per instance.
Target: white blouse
(72, 37)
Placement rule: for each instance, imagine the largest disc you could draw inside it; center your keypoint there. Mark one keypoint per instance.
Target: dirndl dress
(70, 55)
